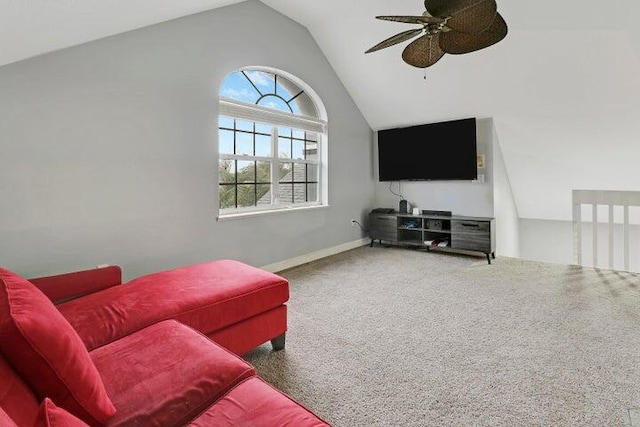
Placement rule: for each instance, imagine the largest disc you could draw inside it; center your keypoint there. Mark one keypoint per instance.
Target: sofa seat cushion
(47, 353)
(207, 297)
(255, 403)
(16, 398)
(166, 374)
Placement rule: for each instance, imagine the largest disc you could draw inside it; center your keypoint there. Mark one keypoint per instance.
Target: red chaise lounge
(141, 353)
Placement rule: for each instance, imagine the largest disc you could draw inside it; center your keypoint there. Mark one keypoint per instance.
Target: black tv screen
(436, 151)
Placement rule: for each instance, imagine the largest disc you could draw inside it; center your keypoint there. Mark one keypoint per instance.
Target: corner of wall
(505, 208)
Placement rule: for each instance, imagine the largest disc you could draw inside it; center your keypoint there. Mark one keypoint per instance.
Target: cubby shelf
(459, 232)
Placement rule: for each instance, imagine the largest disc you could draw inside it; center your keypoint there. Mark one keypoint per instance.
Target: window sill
(241, 215)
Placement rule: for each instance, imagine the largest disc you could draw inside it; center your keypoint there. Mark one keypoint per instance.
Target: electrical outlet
(353, 222)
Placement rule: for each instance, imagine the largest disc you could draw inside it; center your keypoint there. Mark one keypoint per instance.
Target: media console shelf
(435, 232)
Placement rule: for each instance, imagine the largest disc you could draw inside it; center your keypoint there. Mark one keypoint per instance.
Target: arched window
(271, 143)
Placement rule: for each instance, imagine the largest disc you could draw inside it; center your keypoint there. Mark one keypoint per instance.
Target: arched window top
(268, 89)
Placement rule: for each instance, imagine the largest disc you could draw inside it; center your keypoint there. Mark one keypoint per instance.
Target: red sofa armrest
(64, 287)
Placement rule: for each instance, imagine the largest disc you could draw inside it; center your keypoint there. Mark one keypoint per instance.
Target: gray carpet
(395, 337)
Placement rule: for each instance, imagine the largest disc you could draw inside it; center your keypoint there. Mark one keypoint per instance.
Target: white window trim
(258, 113)
(281, 210)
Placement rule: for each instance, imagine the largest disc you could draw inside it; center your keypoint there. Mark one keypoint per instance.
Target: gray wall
(545, 240)
(109, 149)
(460, 197)
(506, 212)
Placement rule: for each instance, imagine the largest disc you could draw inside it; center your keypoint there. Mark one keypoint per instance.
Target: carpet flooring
(395, 337)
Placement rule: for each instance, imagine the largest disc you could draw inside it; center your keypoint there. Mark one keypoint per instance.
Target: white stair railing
(606, 198)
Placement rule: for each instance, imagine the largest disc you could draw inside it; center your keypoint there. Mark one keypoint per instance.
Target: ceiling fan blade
(412, 19)
(465, 16)
(423, 52)
(398, 38)
(457, 43)
(440, 7)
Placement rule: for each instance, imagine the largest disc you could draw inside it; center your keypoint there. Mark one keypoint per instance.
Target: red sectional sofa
(141, 353)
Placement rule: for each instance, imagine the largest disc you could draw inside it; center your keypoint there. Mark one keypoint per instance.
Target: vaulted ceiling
(563, 87)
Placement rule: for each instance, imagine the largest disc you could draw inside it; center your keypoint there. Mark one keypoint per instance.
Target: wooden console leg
(278, 342)
(488, 258)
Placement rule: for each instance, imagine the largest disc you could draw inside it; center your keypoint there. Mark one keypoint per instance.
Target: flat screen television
(431, 152)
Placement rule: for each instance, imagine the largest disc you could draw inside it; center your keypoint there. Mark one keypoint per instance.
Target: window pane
(246, 195)
(282, 90)
(227, 196)
(225, 122)
(262, 128)
(284, 132)
(226, 171)
(236, 86)
(288, 90)
(304, 105)
(286, 174)
(298, 149)
(263, 81)
(298, 134)
(312, 192)
(225, 141)
(244, 125)
(299, 193)
(312, 173)
(264, 194)
(263, 145)
(275, 103)
(246, 171)
(311, 150)
(244, 143)
(284, 148)
(295, 108)
(286, 193)
(264, 172)
(299, 172)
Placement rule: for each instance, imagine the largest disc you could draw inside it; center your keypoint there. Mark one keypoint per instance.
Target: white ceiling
(563, 87)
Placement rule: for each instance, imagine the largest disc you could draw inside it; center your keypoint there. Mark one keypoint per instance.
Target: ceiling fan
(448, 26)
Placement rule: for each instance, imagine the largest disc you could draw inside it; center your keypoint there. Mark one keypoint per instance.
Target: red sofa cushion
(166, 374)
(48, 354)
(5, 420)
(50, 415)
(255, 403)
(206, 296)
(16, 398)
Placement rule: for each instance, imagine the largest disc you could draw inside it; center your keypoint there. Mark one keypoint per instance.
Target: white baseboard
(303, 259)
